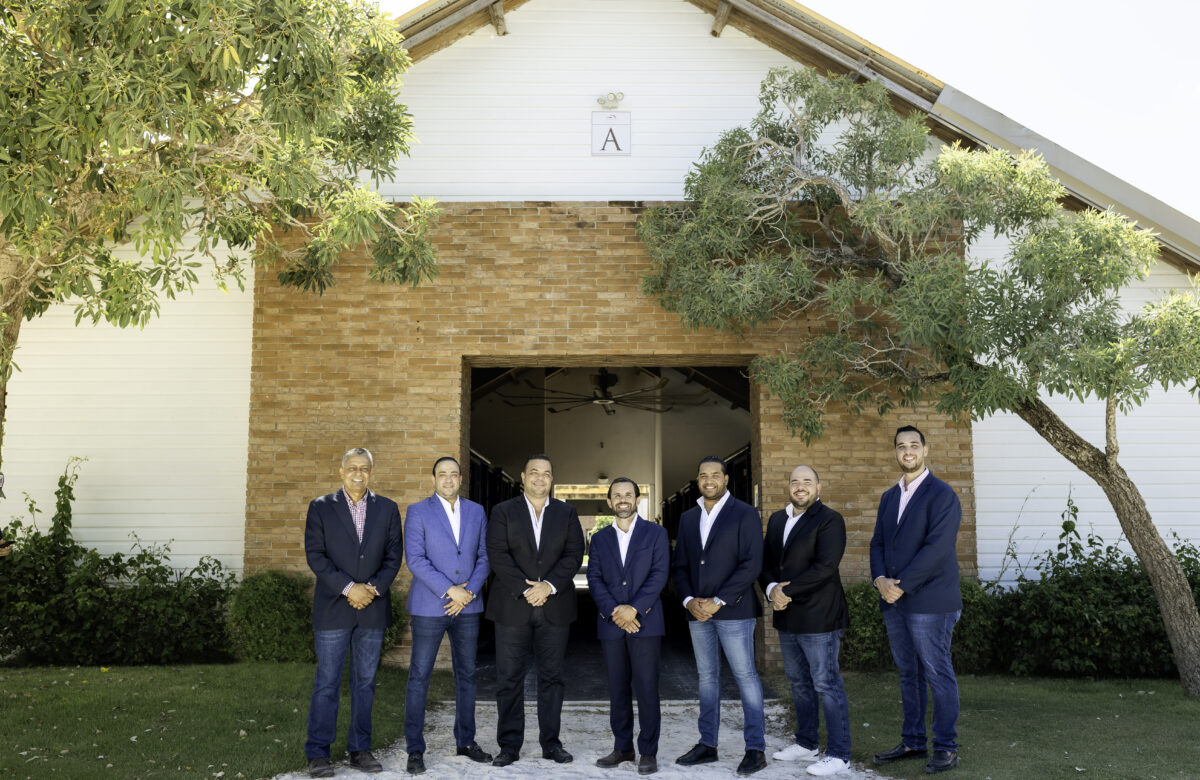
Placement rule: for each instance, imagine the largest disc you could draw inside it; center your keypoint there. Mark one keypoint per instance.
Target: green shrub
(399, 619)
(974, 643)
(270, 618)
(67, 604)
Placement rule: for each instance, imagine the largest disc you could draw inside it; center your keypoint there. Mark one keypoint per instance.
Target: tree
(832, 206)
(224, 131)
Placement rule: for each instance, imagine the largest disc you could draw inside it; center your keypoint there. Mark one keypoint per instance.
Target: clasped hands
(361, 594)
(779, 599)
(889, 589)
(537, 592)
(625, 618)
(457, 598)
(703, 609)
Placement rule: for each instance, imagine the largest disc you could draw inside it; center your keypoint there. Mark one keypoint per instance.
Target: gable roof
(811, 39)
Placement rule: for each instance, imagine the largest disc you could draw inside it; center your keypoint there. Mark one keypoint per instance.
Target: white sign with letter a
(611, 133)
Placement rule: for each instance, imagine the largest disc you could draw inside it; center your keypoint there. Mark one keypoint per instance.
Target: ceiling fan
(643, 398)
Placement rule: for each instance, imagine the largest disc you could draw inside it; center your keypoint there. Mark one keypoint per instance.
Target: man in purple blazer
(627, 569)
(354, 544)
(445, 542)
(915, 569)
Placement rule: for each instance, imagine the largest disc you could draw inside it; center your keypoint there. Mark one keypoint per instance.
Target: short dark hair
(908, 429)
(637, 492)
(443, 459)
(713, 459)
(539, 456)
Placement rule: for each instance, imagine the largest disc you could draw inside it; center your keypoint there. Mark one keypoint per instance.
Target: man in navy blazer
(445, 544)
(354, 544)
(718, 556)
(535, 548)
(627, 569)
(915, 569)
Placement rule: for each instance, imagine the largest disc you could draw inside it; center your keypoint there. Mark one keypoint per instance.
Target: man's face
(356, 474)
(804, 488)
(910, 452)
(447, 479)
(712, 481)
(537, 478)
(622, 500)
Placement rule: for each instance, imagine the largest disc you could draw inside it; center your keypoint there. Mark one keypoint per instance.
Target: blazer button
(701, 561)
(623, 582)
(456, 571)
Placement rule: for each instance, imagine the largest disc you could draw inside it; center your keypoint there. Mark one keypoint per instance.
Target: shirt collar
(716, 508)
(446, 504)
(351, 502)
(791, 510)
(533, 512)
(632, 524)
(916, 483)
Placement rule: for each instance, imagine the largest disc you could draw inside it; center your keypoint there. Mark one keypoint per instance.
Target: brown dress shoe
(614, 758)
(647, 765)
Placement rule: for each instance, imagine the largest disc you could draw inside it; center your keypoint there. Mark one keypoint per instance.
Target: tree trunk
(14, 288)
(1176, 602)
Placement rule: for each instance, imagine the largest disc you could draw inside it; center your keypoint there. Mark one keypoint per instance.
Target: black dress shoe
(614, 758)
(647, 765)
(475, 753)
(320, 767)
(505, 758)
(941, 760)
(416, 764)
(753, 761)
(701, 754)
(363, 761)
(558, 755)
(899, 753)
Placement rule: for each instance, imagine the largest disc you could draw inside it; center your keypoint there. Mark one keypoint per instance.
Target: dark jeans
(546, 644)
(921, 646)
(427, 635)
(632, 664)
(810, 662)
(364, 645)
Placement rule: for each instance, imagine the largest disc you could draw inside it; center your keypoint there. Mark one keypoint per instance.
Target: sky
(1117, 83)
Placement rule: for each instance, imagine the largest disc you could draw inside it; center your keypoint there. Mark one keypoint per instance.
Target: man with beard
(718, 556)
(627, 569)
(915, 570)
(801, 552)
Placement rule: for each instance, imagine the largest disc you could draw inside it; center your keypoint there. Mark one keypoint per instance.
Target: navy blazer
(727, 566)
(437, 562)
(920, 551)
(638, 582)
(515, 557)
(335, 555)
(808, 562)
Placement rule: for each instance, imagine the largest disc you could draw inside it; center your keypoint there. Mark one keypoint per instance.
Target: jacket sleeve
(509, 575)
(316, 551)
(482, 567)
(830, 547)
(393, 551)
(878, 567)
(595, 577)
(770, 560)
(681, 566)
(651, 589)
(562, 574)
(941, 533)
(749, 558)
(422, 568)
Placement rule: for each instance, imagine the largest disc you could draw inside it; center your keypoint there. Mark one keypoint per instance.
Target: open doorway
(650, 424)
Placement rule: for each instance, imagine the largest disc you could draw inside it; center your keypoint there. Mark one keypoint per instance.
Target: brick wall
(534, 284)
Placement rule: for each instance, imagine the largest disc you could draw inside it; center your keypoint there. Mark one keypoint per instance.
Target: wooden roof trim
(721, 17)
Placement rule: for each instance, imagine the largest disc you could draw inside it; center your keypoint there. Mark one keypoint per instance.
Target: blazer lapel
(635, 542)
(443, 520)
(371, 519)
(342, 507)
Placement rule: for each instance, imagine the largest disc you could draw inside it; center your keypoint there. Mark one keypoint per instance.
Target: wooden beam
(417, 38)
(496, 11)
(722, 16)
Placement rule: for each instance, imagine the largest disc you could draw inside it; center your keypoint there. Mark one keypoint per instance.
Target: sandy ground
(586, 735)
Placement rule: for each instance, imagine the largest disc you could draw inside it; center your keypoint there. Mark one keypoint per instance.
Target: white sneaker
(794, 752)
(828, 766)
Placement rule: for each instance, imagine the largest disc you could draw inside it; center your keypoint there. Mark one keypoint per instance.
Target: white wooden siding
(509, 118)
(1022, 483)
(161, 414)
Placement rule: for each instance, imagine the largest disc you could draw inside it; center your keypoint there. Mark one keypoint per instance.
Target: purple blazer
(437, 561)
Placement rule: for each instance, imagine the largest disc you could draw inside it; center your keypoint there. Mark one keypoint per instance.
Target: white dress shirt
(623, 537)
(708, 518)
(535, 517)
(455, 518)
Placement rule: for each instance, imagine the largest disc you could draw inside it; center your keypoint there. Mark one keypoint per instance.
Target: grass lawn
(1030, 729)
(244, 720)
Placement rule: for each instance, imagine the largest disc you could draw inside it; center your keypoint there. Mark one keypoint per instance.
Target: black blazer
(334, 554)
(724, 568)
(515, 557)
(808, 562)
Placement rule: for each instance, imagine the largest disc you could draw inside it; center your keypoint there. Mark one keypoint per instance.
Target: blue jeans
(364, 645)
(736, 639)
(426, 639)
(810, 662)
(921, 646)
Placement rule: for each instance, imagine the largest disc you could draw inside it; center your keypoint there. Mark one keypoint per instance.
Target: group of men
(533, 545)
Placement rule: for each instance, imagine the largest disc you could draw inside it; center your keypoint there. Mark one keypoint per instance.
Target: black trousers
(632, 664)
(546, 644)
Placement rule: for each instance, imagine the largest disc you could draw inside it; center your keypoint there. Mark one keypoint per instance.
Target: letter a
(610, 137)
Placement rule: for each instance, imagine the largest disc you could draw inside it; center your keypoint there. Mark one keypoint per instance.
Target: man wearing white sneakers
(801, 552)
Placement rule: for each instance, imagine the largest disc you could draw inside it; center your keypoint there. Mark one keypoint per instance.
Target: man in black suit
(718, 555)
(801, 552)
(535, 547)
(353, 543)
